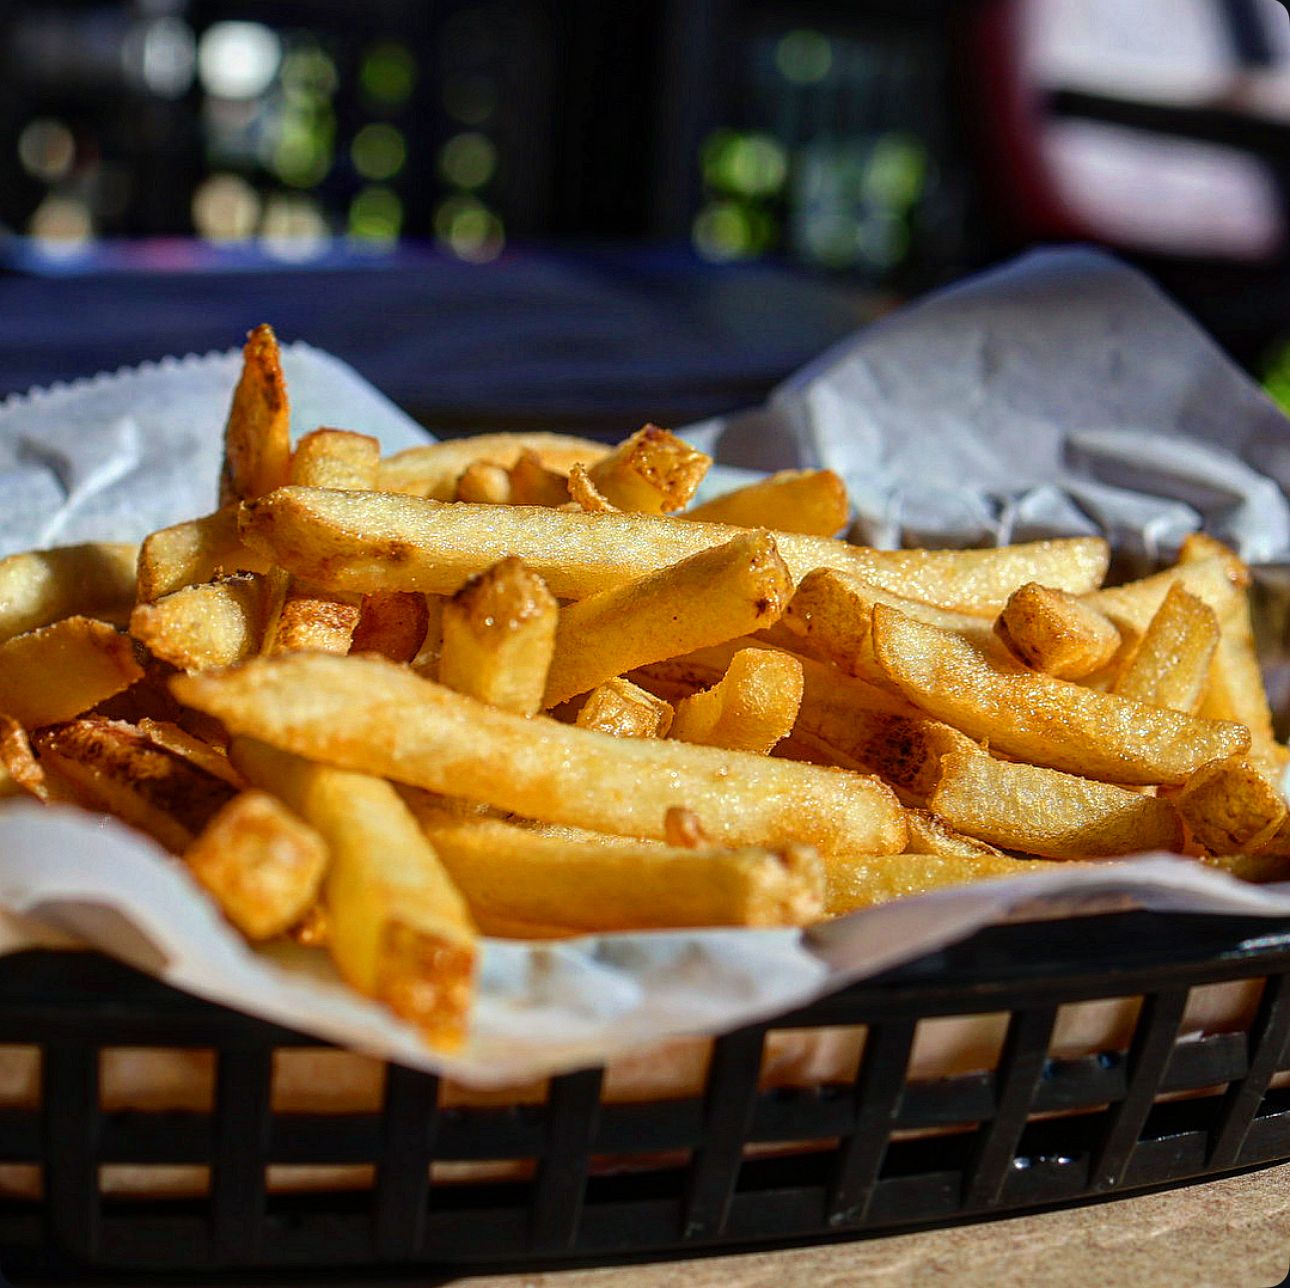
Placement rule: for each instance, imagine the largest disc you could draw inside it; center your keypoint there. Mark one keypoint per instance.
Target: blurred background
(585, 215)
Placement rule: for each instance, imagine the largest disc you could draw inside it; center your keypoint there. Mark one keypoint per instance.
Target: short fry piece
(1230, 807)
(859, 883)
(336, 458)
(1172, 663)
(20, 772)
(652, 472)
(165, 734)
(260, 863)
(194, 551)
(58, 671)
(216, 623)
(499, 631)
(393, 624)
(483, 483)
(585, 495)
(813, 502)
(751, 708)
(1043, 811)
(1054, 632)
(315, 619)
(533, 484)
(931, 834)
(257, 438)
(625, 710)
(41, 586)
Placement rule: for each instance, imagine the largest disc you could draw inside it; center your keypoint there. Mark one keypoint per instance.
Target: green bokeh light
(468, 160)
(388, 73)
(378, 151)
(804, 57)
(726, 230)
(749, 165)
(469, 229)
(376, 215)
(309, 71)
(896, 172)
(302, 154)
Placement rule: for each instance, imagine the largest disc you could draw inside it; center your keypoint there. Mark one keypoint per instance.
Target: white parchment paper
(1061, 394)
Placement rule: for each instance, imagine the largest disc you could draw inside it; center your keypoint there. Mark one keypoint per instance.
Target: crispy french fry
(750, 708)
(174, 738)
(813, 502)
(652, 472)
(499, 631)
(585, 495)
(433, 470)
(58, 671)
(260, 863)
(713, 596)
(484, 483)
(532, 483)
(1048, 722)
(39, 587)
(398, 929)
(366, 713)
(625, 710)
(1043, 811)
(1230, 807)
(393, 624)
(854, 884)
(192, 552)
(1171, 664)
(931, 834)
(367, 541)
(336, 458)
(216, 623)
(257, 438)
(312, 618)
(20, 772)
(1055, 632)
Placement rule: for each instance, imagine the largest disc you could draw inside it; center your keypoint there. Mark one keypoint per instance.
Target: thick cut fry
(713, 596)
(216, 623)
(931, 834)
(310, 618)
(751, 707)
(173, 738)
(433, 470)
(397, 927)
(652, 472)
(194, 551)
(484, 483)
(1054, 632)
(499, 631)
(584, 495)
(1230, 807)
(366, 713)
(1043, 811)
(367, 541)
(116, 768)
(336, 458)
(392, 624)
(813, 502)
(58, 671)
(260, 863)
(514, 874)
(1171, 665)
(257, 438)
(1048, 722)
(532, 483)
(625, 710)
(42, 586)
(859, 883)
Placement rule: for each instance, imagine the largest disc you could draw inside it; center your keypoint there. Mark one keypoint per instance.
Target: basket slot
(240, 1151)
(876, 1101)
(409, 1124)
(1267, 1040)
(1025, 1051)
(19, 1136)
(728, 1105)
(652, 1126)
(559, 1187)
(70, 1126)
(1149, 1054)
(1269, 1134)
(514, 1131)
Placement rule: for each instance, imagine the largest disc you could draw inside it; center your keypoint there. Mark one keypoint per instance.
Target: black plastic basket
(845, 1174)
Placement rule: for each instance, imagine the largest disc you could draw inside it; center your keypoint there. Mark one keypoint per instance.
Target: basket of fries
(509, 855)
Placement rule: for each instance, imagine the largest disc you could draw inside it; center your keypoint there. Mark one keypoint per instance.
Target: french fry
(215, 623)
(58, 671)
(484, 483)
(194, 551)
(1054, 632)
(625, 710)
(1230, 807)
(426, 662)
(813, 502)
(713, 596)
(532, 483)
(260, 863)
(1042, 811)
(585, 495)
(257, 438)
(499, 631)
(1052, 723)
(393, 624)
(683, 828)
(398, 929)
(20, 772)
(854, 884)
(336, 458)
(931, 834)
(1171, 665)
(39, 587)
(176, 739)
(750, 708)
(652, 472)
(367, 714)
(312, 618)
(433, 470)
(367, 541)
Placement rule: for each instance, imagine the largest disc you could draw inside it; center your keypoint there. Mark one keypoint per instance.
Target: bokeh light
(225, 208)
(47, 149)
(387, 74)
(469, 229)
(63, 224)
(752, 165)
(159, 55)
(376, 216)
(804, 57)
(468, 160)
(294, 227)
(238, 59)
(378, 151)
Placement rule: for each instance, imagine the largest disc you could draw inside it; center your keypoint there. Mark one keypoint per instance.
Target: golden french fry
(1055, 632)
(584, 495)
(336, 458)
(215, 623)
(368, 714)
(398, 929)
(1230, 807)
(813, 502)
(931, 834)
(484, 483)
(58, 671)
(532, 483)
(1043, 811)
(260, 863)
(310, 618)
(39, 587)
(367, 541)
(20, 771)
(173, 738)
(1048, 722)
(194, 551)
(625, 710)
(257, 438)
(750, 708)
(1171, 665)
(853, 884)
(433, 470)
(713, 596)
(499, 631)
(393, 624)
(652, 472)
(116, 768)
(426, 662)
